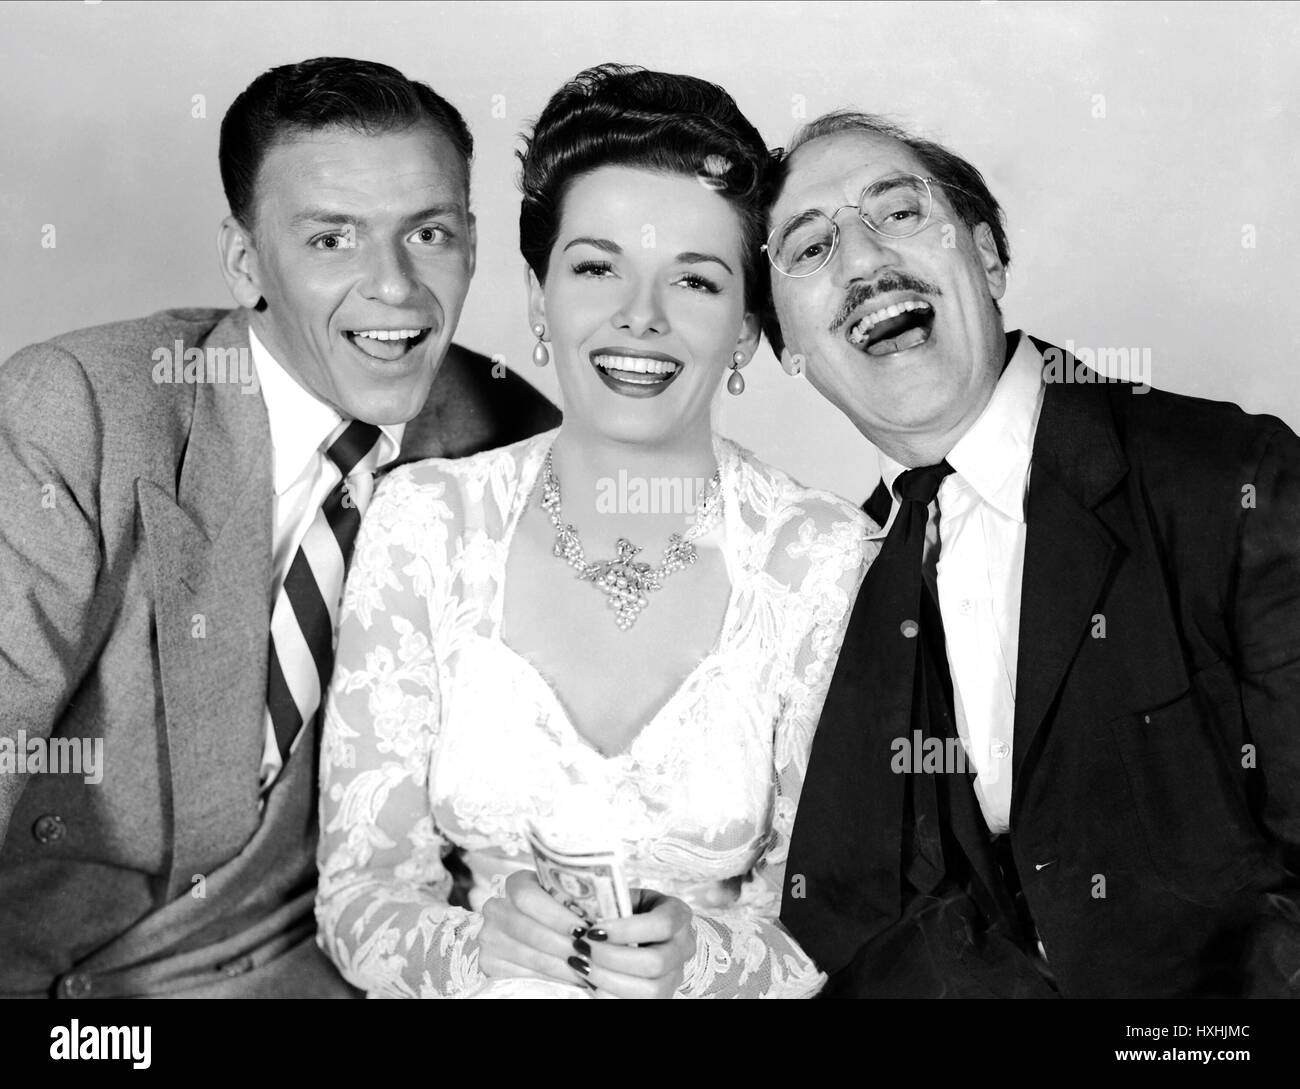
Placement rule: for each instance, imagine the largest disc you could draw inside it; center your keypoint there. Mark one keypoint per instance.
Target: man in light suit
(173, 538)
(1061, 750)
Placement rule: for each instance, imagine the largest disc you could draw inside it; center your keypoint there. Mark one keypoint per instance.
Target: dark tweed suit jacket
(135, 574)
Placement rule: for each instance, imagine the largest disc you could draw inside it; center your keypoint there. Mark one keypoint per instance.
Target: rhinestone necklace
(626, 581)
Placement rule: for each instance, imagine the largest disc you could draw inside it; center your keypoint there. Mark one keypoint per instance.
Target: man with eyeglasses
(1061, 751)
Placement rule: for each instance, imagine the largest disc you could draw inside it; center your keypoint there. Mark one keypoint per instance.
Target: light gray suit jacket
(135, 575)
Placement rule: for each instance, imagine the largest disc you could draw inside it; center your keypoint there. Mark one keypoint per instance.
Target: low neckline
(570, 727)
(497, 611)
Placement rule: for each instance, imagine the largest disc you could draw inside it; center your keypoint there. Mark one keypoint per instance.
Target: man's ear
(239, 263)
(536, 299)
(995, 272)
(793, 363)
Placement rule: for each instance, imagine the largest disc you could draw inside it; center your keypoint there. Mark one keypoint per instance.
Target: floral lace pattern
(440, 741)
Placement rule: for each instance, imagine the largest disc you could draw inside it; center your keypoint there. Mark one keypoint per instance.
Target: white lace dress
(439, 738)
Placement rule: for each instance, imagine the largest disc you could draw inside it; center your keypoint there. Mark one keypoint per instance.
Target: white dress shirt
(302, 477)
(977, 537)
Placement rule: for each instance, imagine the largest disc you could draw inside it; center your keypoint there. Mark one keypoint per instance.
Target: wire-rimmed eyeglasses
(895, 206)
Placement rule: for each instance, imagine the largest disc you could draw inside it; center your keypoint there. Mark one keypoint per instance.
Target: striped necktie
(305, 617)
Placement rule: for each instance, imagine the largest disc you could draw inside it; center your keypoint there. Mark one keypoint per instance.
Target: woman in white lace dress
(505, 656)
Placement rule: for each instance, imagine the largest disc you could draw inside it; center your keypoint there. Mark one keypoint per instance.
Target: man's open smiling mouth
(894, 328)
(388, 345)
(891, 315)
(634, 373)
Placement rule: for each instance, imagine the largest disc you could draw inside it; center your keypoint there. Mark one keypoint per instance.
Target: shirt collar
(300, 422)
(993, 456)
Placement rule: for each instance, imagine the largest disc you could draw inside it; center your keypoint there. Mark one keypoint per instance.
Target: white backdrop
(1146, 156)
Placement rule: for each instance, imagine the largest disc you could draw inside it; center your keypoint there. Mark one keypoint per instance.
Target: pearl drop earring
(736, 380)
(541, 353)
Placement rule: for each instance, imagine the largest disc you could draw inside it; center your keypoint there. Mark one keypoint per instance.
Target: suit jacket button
(75, 985)
(49, 828)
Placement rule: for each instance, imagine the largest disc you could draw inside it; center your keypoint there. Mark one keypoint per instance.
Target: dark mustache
(890, 281)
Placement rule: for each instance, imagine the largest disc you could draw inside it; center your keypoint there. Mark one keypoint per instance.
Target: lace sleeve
(743, 951)
(382, 903)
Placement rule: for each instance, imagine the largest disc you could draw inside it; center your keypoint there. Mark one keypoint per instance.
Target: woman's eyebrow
(692, 258)
(600, 243)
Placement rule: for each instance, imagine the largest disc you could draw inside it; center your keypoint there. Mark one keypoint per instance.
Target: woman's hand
(642, 956)
(527, 933)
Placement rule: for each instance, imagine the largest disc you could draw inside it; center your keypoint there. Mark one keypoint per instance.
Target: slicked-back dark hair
(963, 186)
(326, 92)
(621, 115)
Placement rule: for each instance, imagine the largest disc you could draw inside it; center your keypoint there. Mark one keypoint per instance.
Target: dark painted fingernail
(579, 965)
(582, 947)
(590, 986)
(579, 931)
(596, 934)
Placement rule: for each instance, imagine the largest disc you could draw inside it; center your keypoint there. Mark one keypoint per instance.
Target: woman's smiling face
(643, 302)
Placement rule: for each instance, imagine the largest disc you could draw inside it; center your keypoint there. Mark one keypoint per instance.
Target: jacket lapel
(211, 552)
(1069, 550)
(845, 849)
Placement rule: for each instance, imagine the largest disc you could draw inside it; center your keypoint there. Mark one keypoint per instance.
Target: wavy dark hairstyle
(325, 92)
(963, 185)
(621, 115)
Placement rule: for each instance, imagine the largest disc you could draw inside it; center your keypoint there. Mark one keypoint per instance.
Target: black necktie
(948, 838)
(911, 613)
